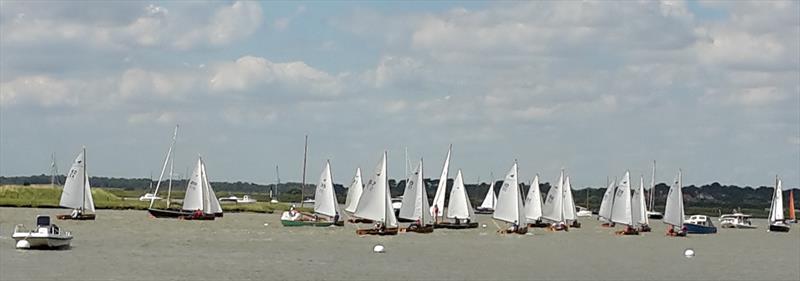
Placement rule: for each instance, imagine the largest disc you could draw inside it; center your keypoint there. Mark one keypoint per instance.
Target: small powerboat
(148, 197)
(45, 236)
(699, 224)
(736, 220)
(246, 200)
(229, 199)
(583, 212)
(655, 215)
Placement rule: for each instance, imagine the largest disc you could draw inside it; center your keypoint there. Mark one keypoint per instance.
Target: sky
(594, 87)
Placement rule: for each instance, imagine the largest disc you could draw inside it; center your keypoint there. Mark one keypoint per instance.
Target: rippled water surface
(129, 245)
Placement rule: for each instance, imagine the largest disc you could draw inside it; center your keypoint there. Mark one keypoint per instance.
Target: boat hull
(484, 211)
(738, 226)
(81, 217)
(359, 220)
(699, 229)
(173, 214)
(418, 229)
(655, 216)
(373, 231)
(538, 224)
(45, 242)
(291, 223)
(575, 224)
(450, 225)
(203, 217)
(644, 228)
(779, 228)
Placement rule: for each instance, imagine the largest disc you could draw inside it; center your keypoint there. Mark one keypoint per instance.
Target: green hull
(309, 223)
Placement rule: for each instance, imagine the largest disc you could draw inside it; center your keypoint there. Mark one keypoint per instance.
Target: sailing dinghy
(792, 218)
(621, 208)
(776, 220)
(533, 205)
(375, 204)
(570, 212)
(415, 204)
(77, 193)
(459, 209)
(489, 201)
(673, 211)
(326, 209)
(604, 213)
(509, 206)
(639, 209)
(199, 203)
(437, 209)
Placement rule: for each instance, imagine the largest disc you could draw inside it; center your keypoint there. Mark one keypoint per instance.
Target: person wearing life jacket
(436, 212)
(197, 213)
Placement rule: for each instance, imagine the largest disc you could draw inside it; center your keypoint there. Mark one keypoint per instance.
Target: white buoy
(266, 224)
(378, 249)
(23, 244)
(689, 253)
(484, 225)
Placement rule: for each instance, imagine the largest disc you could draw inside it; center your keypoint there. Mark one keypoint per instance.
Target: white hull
(44, 242)
(584, 214)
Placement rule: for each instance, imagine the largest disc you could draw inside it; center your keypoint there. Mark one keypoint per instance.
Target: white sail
(354, 193)
(77, 193)
(608, 201)
(490, 199)
(409, 206)
(459, 205)
(325, 195)
(438, 198)
(673, 211)
(509, 206)
(570, 214)
(193, 199)
(533, 201)
(776, 209)
(638, 207)
(375, 202)
(621, 209)
(213, 206)
(553, 208)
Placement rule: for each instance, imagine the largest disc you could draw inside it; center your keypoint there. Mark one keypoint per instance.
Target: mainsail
(533, 201)
(570, 214)
(639, 210)
(608, 201)
(459, 206)
(354, 193)
(417, 208)
(375, 202)
(621, 209)
(325, 195)
(490, 199)
(673, 211)
(776, 209)
(438, 198)
(553, 208)
(509, 206)
(77, 193)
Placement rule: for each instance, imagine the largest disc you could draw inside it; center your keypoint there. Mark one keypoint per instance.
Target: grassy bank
(45, 196)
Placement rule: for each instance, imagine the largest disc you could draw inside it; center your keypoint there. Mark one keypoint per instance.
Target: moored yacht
(736, 220)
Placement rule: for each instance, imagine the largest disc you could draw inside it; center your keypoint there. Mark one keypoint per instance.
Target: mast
(278, 178)
(83, 202)
(171, 164)
(164, 167)
(303, 185)
(653, 186)
(53, 171)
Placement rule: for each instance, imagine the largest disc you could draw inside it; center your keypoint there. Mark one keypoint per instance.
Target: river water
(129, 245)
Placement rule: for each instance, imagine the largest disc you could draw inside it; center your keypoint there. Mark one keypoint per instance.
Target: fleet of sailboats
(77, 193)
(326, 208)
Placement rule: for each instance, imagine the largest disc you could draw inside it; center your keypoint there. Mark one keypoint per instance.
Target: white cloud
(250, 74)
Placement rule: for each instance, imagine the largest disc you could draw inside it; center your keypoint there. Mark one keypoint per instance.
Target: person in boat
(436, 212)
(514, 227)
(336, 217)
(468, 220)
(458, 221)
(75, 213)
(197, 213)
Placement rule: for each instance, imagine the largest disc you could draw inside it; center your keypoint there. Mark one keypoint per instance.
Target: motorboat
(45, 236)
(397, 203)
(245, 200)
(699, 224)
(583, 212)
(229, 199)
(148, 197)
(736, 220)
(655, 215)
